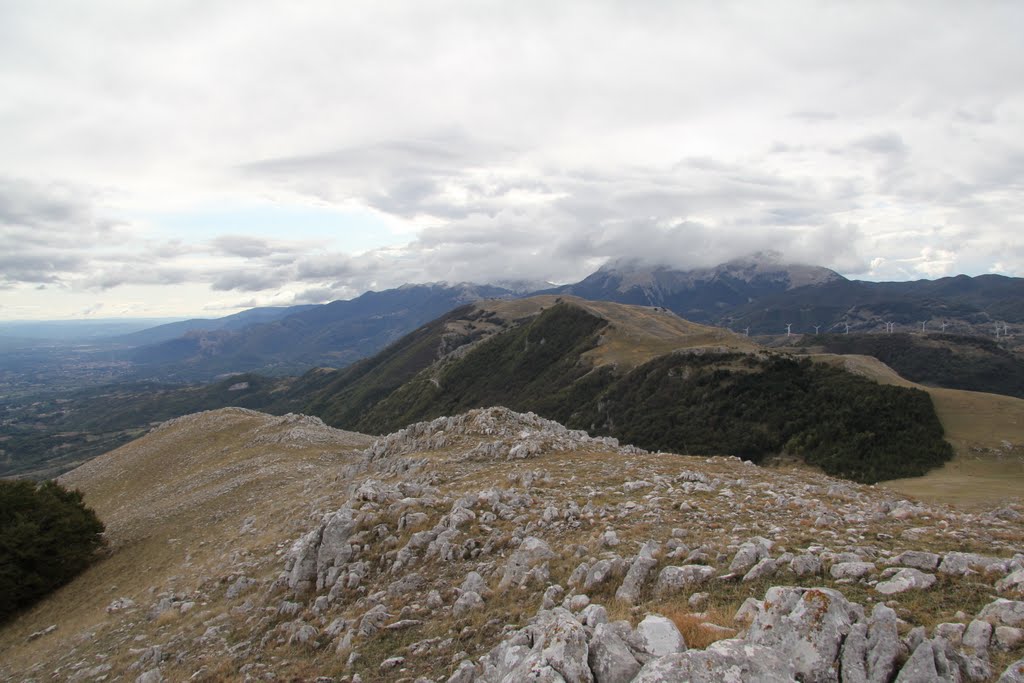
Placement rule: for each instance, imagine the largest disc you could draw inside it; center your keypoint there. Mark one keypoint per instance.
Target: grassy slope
(200, 477)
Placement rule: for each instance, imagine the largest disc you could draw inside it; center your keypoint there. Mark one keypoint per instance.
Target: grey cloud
(251, 280)
(136, 274)
(888, 144)
(18, 264)
(325, 267)
(812, 116)
(242, 245)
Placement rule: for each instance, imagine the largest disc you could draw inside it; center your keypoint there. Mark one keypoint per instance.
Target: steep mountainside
(496, 546)
(334, 334)
(686, 387)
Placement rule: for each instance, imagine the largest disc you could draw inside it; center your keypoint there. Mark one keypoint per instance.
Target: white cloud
(495, 140)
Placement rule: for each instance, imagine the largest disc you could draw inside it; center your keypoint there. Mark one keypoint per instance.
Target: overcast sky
(195, 158)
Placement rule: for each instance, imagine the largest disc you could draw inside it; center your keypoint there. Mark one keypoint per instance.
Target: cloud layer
(490, 141)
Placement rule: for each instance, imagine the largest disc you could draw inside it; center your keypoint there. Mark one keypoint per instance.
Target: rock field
(495, 546)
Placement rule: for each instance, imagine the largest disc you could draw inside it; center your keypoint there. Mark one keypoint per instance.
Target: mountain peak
(698, 293)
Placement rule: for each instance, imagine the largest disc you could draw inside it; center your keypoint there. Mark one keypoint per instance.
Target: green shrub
(47, 536)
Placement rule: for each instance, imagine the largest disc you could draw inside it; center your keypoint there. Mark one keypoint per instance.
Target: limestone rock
(609, 658)
(659, 636)
(675, 579)
(749, 554)
(1014, 673)
(928, 664)
(629, 591)
(531, 552)
(904, 580)
(727, 661)
(809, 625)
(851, 570)
(1004, 612)
(467, 602)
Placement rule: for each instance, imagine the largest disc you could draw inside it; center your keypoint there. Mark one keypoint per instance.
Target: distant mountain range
(291, 340)
(759, 295)
(237, 321)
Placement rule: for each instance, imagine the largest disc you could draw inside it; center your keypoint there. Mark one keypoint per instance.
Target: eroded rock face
(555, 644)
(727, 661)
(929, 664)
(807, 624)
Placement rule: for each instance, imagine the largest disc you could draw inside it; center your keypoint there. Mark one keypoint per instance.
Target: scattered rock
(904, 580)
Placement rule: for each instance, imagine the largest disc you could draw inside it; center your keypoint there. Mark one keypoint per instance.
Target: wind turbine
(816, 328)
(944, 323)
(923, 323)
(847, 328)
(789, 328)
(746, 332)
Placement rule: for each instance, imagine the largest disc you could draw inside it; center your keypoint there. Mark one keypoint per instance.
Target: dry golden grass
(173, 506)
(698, 629)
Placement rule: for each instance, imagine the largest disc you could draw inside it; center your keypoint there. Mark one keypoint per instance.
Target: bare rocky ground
(495, 546)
